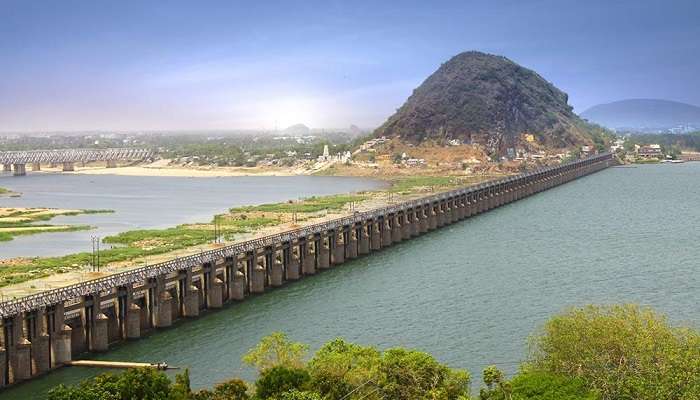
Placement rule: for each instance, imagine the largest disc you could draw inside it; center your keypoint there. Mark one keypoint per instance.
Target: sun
(284, 112)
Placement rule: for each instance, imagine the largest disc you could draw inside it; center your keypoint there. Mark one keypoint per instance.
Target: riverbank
(164, 168)
(430, 160)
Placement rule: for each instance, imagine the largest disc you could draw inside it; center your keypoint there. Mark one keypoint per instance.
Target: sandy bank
(162, 169)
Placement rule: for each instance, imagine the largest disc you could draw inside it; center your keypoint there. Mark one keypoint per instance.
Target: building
(650, 151)
(415, 162)
(618, 144)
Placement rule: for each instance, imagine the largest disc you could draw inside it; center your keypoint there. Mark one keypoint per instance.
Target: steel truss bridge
(54, 296)
(72, 155)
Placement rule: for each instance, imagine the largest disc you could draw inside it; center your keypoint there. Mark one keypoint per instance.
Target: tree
(297, 395)
(412, 374)
(138, 383)
(234, 389)
(181, 389)
(280, 379)
(533, 385)
(545, 386)
(496, 385)
(340, 369)
(276, 350)
(623, 352)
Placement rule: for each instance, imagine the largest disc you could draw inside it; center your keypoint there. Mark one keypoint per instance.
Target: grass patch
(413, 182)
(435, 183)
(4, 191)
(131, 245)
(308, 205)
(34, 229)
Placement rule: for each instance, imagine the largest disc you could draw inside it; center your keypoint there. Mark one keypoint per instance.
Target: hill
(298, 130)
(644, 114)
(489, 100)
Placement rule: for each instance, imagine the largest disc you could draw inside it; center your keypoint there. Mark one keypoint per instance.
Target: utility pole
(95, 253)
(92, 263)
(215, 234)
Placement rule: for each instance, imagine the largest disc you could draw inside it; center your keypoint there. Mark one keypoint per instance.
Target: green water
(472, 292)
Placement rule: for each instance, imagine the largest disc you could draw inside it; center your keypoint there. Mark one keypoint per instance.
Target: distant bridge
(16, 161)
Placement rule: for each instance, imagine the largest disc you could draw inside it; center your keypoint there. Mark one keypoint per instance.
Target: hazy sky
(158, 65)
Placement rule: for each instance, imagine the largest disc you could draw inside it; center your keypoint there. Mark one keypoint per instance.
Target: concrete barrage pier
(44, 331)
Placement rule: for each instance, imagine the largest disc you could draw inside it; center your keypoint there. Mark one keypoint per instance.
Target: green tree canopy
(276, 350)
(623, 352)
(275, 381)
(139, 383)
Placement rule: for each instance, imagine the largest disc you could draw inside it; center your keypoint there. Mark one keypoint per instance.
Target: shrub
(140, 383)
(623, 352)
(278, 380)
(276, 350)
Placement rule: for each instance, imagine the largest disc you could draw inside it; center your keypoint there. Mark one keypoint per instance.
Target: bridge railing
(73, 155)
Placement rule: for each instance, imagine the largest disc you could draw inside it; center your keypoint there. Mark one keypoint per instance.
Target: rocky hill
(489, 100)
(644, 114)
(298, 130)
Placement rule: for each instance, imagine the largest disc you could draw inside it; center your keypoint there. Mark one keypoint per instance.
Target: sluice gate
(44, 331)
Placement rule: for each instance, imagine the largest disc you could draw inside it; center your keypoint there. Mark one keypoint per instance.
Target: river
(143, 202)
(469, 293)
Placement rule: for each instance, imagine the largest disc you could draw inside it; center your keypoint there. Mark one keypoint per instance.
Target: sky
(211, 65)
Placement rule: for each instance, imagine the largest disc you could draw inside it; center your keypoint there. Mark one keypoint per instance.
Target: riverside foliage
(589, 353)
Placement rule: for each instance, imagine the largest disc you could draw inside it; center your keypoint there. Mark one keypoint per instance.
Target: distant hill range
(490, 100)
(297, 130)
(645, 115)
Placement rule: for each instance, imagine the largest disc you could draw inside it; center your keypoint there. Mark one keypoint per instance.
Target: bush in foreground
(623, 352)
(591, 353)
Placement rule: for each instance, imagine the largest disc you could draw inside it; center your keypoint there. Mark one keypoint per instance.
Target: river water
(141, 202)
(472, 292)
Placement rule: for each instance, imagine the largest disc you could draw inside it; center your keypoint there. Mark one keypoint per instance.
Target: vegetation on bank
(589, 353)
(622, 352)
(308, 205)
(132, 245)
(9, 233)
(432, 183)
(4, 191)
(137, 244)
